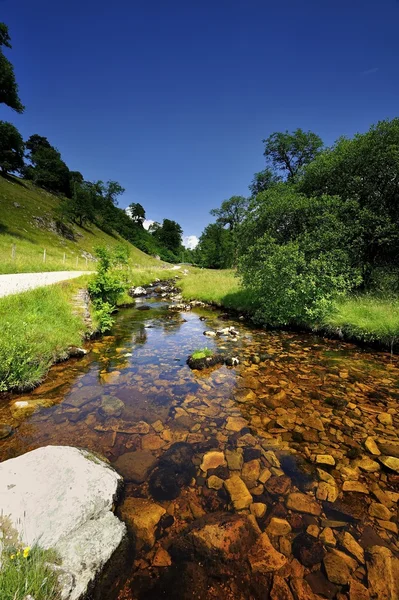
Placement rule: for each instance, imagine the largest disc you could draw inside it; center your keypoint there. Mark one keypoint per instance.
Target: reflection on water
(296, 414)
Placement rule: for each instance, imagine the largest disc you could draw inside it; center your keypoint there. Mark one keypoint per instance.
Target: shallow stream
(297, 421)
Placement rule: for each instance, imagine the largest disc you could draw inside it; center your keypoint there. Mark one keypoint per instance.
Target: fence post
(86, 262)
(63, 260)
(77, 260)
(44, 255)
(13, 251)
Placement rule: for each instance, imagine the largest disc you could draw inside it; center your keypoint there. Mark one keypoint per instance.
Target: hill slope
(28, 223)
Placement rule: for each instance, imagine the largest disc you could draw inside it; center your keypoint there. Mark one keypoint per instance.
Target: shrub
(202, 353)
(290, 287)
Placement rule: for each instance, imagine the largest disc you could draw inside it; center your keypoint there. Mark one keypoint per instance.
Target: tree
(137, 213)
(80, 207)
(47, 169)
(11, 148)
(215, 249)
(290, 152)
(262, 181)
(169, 235)
(231, 212)
(8, 85)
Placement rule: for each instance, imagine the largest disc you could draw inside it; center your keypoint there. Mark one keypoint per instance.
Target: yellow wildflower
(26, 551)
(12, 556)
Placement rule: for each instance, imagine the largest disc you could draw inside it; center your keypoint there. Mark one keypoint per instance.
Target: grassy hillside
(28, 220)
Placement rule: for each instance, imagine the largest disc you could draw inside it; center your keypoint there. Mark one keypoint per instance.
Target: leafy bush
(106, 287)
(289, 286)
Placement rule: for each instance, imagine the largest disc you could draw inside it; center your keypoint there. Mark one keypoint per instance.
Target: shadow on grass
(13, 179)
(241, 300)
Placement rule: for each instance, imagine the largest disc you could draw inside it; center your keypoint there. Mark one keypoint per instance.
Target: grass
(221, 288)
(27, 572)
(37, 327)
(201, 353)
(368, 319)
(27, 223)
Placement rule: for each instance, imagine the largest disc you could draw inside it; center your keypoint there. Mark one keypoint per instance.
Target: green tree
(136, 213)
(11, 148)
(47, 169)
(170, 236)
(8, 85)
(231, 212)
(290, 152)
(215, 249)
(262, 181)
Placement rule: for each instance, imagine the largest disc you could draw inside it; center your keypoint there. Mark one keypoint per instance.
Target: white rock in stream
(61, 497)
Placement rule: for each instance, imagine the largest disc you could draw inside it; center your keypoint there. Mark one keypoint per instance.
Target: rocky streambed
(277, 477)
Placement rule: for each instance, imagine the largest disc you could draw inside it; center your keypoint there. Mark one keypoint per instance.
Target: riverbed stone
(391, 462)
(280, 589)
(382, 573)
(379, 511)
(263, 557)
(368, 465)
(213, 460)
(303, 503)
(258, 509)
(325, 459)
(236, 423)
(355, 486)
(214, 482)
(336, 568)
(62, 498)
(278, 527)
(5, 431)
(111, 406)
(353, 547)
(234, 459)
(389, 447)
(385, 419)
(135, 466)
(238, 492)
(250, 472)
(371, 446)
(314, 422)
(142, 516)
(357, 591)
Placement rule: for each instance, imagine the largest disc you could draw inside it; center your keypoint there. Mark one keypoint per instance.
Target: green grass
(368, 319)
(221, 288)
(30, 237)
(201, 353)
(27, 571)
(37, 327)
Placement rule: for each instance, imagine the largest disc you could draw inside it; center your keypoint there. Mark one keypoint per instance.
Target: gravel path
(20, 282)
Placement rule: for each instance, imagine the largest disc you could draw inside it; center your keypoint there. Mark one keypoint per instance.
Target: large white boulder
(61, 497)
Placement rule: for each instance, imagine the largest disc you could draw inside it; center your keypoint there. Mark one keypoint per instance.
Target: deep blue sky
(172, 98)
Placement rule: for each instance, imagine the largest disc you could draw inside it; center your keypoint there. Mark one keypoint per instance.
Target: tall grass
(37, 327)
(221, 288)
(367, 318)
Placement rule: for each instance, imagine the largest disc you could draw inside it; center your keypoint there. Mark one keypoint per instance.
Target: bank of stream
(277, 476)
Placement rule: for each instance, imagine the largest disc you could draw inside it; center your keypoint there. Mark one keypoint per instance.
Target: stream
(300, 430)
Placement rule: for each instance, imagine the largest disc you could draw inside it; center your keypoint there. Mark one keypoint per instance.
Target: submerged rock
(206, 362)
(175, 470)
(5, 431)
(62, 498)
(264, 558)
(111, 406)
(135, 466)
(142, 516)
(136, 292)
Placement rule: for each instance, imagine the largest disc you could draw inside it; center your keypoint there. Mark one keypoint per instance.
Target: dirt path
(20, 282)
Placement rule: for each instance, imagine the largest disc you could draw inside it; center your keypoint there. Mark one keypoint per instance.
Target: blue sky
(173, 98)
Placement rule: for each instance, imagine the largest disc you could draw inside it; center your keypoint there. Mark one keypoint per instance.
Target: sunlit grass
(26, 573)
(37, 327)
(201, 353)
(222, 288)
(27, 215)
(367, 318)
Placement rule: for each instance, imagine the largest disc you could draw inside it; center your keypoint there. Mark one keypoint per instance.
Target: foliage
(46, 168)
(231, 212)
(169, 235)
(364, 169)
(28, 572)
(215, 249)
(106, 287)
(137, 213)
(8, 85)
(290, 152)
(11, 148)
(262, 181)
(202, 353)
(289, 287)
